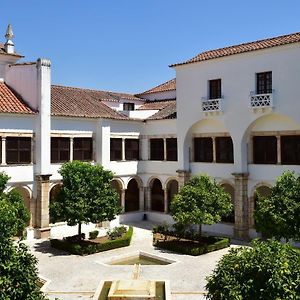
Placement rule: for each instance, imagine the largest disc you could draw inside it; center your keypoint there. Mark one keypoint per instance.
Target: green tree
(269, 270)
(18, 273)
(279, 214)
(14, 216)
(200, 201)
(86, 195)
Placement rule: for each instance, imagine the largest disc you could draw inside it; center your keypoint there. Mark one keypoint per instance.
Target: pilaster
(42, 206)
(183, 177)
(241, 225)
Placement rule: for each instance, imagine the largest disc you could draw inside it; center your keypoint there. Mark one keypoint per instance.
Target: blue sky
(127, 45)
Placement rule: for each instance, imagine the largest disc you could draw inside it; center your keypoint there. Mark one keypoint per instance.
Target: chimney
(9, 45)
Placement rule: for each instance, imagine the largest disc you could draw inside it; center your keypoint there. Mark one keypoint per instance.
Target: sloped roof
(2, 51)
(77, 102)
(242, 48)
(168, 112)
(11, 102)
(155, 105)
(164, 87)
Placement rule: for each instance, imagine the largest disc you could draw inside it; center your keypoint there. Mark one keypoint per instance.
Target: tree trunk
(79, 229)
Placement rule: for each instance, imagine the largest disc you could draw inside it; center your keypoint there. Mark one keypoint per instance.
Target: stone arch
(137, 179)
(264, 189)
(132, 195)
(272, 122)
(172, 188)
(118, 185)
(26, 193)
(204, 127)
(229, 188)
(53, 193)
(157, 195)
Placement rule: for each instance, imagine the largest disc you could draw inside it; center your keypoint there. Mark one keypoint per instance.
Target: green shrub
(116, 232)
(195, 248)
(85, 247)
(268, 270)
(93, 234)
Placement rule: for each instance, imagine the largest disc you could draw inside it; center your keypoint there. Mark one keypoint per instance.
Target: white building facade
(232, 113)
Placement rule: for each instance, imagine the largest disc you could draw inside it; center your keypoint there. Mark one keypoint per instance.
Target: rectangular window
(83, 149)
(264, 83)
(132, 149)
(203, 149)
(60, 149)
(265, 149)
(171, 144)
(115, 149)
(128, 106)
(290, 150)
(224, 150)
(215, 89)
(156, 149)
(18, 150)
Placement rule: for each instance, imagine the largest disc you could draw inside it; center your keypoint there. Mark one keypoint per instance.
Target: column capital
(42, 177)
(240, 175)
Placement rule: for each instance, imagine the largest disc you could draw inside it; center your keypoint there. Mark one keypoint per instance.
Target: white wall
(160, 95)
(238, 75)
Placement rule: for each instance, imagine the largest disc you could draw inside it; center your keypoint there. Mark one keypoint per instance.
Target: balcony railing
(211, 105)
(261, 100)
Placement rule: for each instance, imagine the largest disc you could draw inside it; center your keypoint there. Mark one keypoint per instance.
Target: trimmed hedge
(208, 244)
(85, 247)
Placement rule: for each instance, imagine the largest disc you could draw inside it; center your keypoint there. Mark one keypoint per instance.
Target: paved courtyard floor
(77, 277)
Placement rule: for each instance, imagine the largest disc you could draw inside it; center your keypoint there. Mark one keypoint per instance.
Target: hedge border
(89, 247)
(221, 243)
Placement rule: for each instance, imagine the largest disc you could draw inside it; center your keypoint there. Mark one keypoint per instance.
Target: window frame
(294, 154)
(19, 150)
(128, 106)
(171, 149)
(264, 82)
(268, 146)
(59, 149)
(229, 148)
(113, 155)
(132, 154)
(202, 154)
(83, 149)
(156, 153)
(214, 89)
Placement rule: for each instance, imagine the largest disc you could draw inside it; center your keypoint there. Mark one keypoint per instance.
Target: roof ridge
(260, 44)
(149, 91)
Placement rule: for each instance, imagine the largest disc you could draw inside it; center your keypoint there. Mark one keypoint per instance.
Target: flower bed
(186, 242)
(85, 247)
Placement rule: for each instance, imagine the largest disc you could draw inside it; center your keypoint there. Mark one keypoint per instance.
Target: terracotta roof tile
(164, 87)
(155, 105)
(11, 102)
(168, 112)
(76, 102)
(246, 47)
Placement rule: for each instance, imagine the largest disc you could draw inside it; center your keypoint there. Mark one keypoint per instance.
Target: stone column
(166, 200)
(165, 149)
(42, 206)
(241, 225)
(123, 150)
(142, 201)
(214, 149)
(3, 147)
(71, 148)
(183, 177)
(278, 150)
(147, 199)
(123, 200)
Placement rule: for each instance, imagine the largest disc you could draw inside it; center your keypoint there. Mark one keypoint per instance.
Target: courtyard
(77, 277)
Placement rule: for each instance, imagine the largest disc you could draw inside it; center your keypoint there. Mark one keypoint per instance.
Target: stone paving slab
(80, 275)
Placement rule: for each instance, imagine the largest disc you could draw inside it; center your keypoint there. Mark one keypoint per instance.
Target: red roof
(77, 102)
(11, 102)
(164, 87)
(242, 48)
